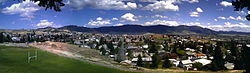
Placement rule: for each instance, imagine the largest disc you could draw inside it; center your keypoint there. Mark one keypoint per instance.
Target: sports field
(14, 60)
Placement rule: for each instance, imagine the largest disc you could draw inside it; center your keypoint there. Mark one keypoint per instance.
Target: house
(79, 42)
(168, 54)
(175, 62)
(200, 56)
(186, 64)
(203, 61)
(229, 65)
(145, 46)
(15, 39)
(145, 59)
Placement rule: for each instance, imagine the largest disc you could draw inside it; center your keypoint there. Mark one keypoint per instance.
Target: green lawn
(14, 60)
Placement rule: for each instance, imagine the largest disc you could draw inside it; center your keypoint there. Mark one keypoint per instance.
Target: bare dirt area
(79, 53)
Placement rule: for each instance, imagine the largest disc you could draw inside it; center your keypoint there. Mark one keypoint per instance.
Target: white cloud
(215, 20)
(241, 18)
(98, 22)
(45, 23)
(115, 19)
(199, 9)
(152, 5)
(242, 13)
(196, 13)
(99, 18)
(102, 4)
(148, 0)
(132, 5)
(119, 24)
(191, 1)
(129, 17)
(25, 9)
(240, 27)
(238, 18)
(161, 22)
(227, 26)
(162, 6)
(225, 3)
(231, 18)
(221, 17)
(159, 16)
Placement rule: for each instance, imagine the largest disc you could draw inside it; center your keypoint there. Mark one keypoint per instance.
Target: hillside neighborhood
(148, 50)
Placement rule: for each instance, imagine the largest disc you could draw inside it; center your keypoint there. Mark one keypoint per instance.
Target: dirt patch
(79, 53)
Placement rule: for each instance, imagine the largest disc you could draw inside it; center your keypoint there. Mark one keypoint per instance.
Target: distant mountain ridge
(159, 29)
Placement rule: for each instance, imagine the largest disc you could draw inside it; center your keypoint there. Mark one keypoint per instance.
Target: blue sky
(213, 14)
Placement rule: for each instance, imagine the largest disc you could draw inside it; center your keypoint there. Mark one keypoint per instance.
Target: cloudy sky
(213, 14)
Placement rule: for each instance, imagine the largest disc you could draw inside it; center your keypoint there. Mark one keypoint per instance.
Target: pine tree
(167, 63)
(155, 61)
(139, 61)
(218, 60)
(121, 54)
(236, 54)
(153, 48)
(103, 51)
(246, 58)
(111, 48)
(1, 37)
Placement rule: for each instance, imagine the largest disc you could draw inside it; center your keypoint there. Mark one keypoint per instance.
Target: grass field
(14, 60)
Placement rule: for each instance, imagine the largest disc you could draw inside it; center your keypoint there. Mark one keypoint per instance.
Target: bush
(167, 63)
(198, 65)
(181, 52)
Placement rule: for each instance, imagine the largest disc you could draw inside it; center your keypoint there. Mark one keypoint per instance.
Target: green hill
(14, 60)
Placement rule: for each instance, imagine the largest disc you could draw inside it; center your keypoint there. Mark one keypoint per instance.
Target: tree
(153, 48)
(111, 48)
(1, 37)
(7, 38)
(218, 61)
(50, 4)
(204, 49)
(181, 52)
(102, 41)
(236, 55)
(166, 47)
(155, 61)
(198, 65)
(240, 4)
(139, 61)
(167, 63)
(130, 55)
(103, 50)
(246, 58)
(121, 54)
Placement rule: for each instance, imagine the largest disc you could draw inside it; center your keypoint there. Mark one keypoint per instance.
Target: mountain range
(159, 29)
